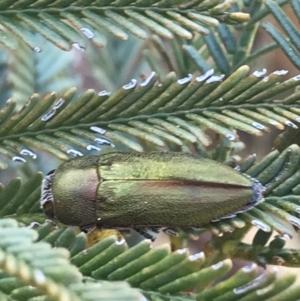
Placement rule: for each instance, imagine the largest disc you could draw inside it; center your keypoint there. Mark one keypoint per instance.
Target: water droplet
(230, 137)
(87, 32)
(294, 221)
(59, 103)
(27, 152)
(148, 79)
(37, 49)
(218, 265)
(120, 242)
(85, 252)
(74, 153)
(104, 93)
(93, 147)
(185, 80)
(260, 73)
(297, 77)
(265, 79)
(281, 72)
(102, 141)
(249, 268)
(33, 225)
(261, 225)
(39, 276)
(48, 115)
(215, 78)
(18, 159)
(291, 124)
(130, 85)
(78, 46)
(286, 236)
(280, 237)
(196, 256)
(250, 285)
(205, 76)
(297, 210)
(258, 125)
(98, 130)
(182, 251)
(273, 122)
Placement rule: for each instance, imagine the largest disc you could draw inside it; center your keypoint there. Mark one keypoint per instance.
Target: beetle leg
(145, 234)
(87, 228)
(170, 232)
(155, 229)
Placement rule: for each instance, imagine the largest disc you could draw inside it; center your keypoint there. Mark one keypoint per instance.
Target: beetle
(143, 191)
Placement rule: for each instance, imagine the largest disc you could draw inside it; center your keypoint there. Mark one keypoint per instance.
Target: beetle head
(47, 200)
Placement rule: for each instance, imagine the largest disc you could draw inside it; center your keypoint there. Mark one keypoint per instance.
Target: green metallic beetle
(144, 191)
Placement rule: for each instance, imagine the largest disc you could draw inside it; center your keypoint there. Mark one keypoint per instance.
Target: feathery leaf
(65, 23)
(171, 111)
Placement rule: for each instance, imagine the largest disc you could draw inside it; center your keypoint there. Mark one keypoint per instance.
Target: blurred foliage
(141, 75)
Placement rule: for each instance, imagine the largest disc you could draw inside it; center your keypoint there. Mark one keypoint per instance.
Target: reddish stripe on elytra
(184, 182)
